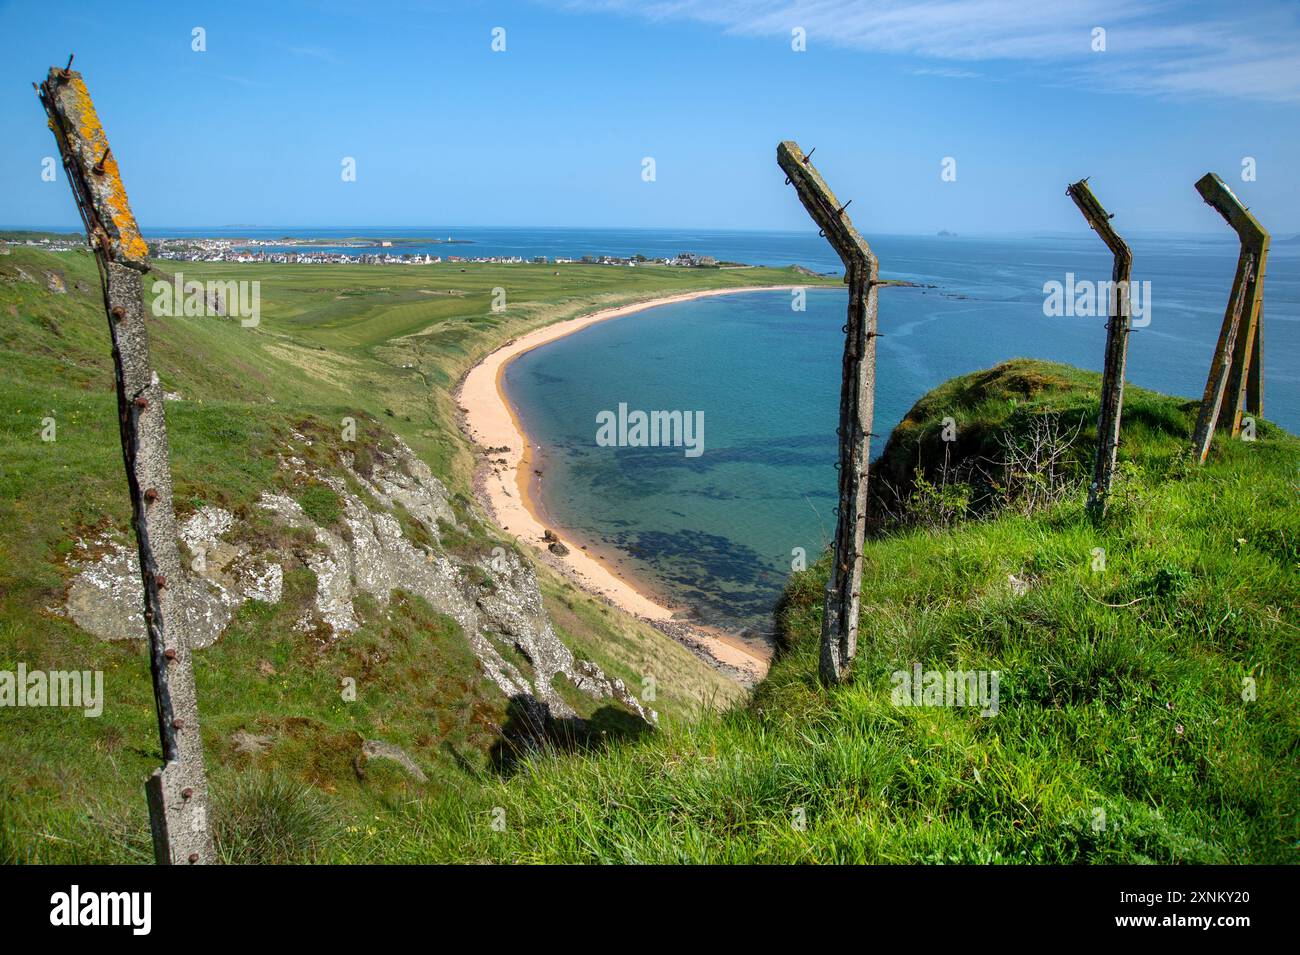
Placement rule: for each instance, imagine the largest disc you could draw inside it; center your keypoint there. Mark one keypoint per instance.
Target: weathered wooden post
(857, 402)
(178, 791)
(1118, 323)
(1237, 370)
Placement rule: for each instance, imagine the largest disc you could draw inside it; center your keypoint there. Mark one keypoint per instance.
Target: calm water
(714, 533)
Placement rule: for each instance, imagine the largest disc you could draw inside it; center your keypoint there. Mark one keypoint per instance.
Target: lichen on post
(1236, 370)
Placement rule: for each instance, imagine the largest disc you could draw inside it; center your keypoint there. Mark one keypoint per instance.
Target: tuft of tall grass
(263, 819)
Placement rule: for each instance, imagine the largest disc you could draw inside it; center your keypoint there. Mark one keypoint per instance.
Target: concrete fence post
(177, 792)
(857, 402)
(1118, 324)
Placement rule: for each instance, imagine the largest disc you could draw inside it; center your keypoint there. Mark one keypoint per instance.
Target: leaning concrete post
(857, 400)
(178, 791)
(1117, 328)
(1236, 371)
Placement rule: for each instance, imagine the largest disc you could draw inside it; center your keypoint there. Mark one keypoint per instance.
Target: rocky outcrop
(494, 597)
(106, 599)
(378, 749)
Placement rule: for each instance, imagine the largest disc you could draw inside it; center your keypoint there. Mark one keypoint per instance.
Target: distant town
(305, 252)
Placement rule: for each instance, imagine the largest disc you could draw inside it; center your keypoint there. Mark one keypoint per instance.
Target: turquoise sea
(715, 534)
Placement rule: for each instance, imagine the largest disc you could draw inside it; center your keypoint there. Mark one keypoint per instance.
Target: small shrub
(937, 505)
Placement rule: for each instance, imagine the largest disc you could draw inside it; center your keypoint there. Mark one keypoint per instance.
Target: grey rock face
(106, 598)
(495, 599)
(251, 743)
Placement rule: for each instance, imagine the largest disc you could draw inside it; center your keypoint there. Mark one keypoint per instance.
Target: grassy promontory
(1148, 700)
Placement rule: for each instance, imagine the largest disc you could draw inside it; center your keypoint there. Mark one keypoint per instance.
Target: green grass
(380, 345)
(1121, 694)
(1122, 734)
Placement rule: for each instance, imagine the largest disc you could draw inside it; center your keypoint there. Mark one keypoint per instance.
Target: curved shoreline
(503, 484)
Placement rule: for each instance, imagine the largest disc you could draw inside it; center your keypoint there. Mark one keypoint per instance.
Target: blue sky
(553, 130)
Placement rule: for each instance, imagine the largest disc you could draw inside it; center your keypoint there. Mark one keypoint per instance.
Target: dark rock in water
(555, 547)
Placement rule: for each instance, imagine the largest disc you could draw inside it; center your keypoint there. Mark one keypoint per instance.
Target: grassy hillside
(381, 345)
(1147, 703)
(1127, 729)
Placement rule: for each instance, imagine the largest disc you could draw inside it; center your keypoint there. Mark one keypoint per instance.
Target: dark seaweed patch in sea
(723, 582)
(544, 378)
(715, 493)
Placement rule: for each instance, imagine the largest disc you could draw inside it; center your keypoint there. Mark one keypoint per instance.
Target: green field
(1148, 709)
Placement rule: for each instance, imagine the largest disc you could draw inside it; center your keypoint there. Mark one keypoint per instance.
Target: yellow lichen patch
(108, 187)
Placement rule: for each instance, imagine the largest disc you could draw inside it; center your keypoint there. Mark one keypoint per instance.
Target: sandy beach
(504, 484)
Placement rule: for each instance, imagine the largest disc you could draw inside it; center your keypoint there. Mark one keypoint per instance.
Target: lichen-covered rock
(495, 599)
(106, 597)
(378, 749)
(251, 744)
(403, 478)
(500, 603)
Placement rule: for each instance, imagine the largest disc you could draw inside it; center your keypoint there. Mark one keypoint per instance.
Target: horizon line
(435, 230)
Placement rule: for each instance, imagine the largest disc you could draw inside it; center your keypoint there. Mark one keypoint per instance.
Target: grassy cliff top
(1147, 701)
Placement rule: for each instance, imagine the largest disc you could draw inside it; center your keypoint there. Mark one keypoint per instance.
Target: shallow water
(717, 533)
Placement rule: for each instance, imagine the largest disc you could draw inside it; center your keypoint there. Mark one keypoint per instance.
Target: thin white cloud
(1155, 47)
(950, 72)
